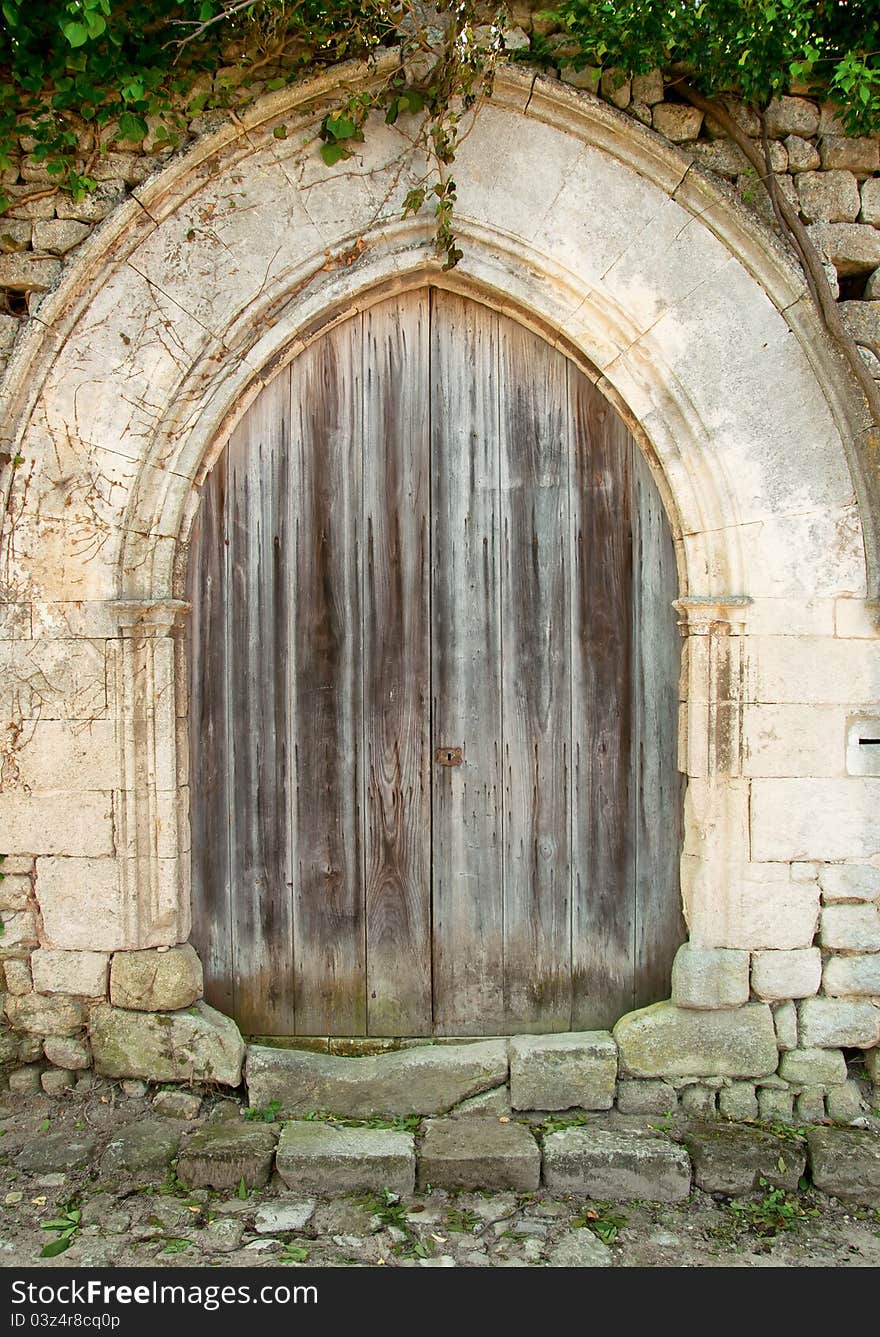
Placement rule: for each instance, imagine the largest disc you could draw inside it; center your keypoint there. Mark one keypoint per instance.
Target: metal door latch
(448, 756)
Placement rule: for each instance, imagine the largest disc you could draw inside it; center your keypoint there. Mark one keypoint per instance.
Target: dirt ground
(113, 1222)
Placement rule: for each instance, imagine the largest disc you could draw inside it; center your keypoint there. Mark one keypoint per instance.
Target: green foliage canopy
(71, 68)
(751, 48)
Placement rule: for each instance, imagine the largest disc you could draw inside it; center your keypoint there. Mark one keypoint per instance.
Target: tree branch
(811, 262)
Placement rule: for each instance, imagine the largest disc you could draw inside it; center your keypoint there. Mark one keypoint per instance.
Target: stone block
(780, 975)
(457, 1154)
(94, 206)
(738, 1101)
(838, 1023)
(586, 78)
(699, 1101)
(845, 1162)
(576, 1069)
(25, 272)
(667, 1041)
(59, 235)
(813, 819)
(862, 319)
(177, 1104)
(427, 1080)
(872, 1064)
(858, 976)
(734, 1160)
(791, 116)
(25, 1081)
(17, 976)
(721, 156)
(579, 1248)
(851, 928)
(19, 929)
(622, 1167)
(813, 1067)
(23, 205)
(616, 88)
(55, 1081)
(83, 973)
(871, 201)
(316, 1157)
(802, 155)
(71, 1149)
(282, 1217)
(852, 248)
(759, 912)
(45, 1014)
(492, 1103)
(220, 1155)
(81, 903)
(646, 1097)
(709, 978)
(828, 197)
(142, 1150)
(67, 1051)
(677, 121)
(843, 1103)
(850, 153)
(775, 1106)
(648, 88)
(810, 1105)
(155, 980)
(197, 1044)
(16, 891)
(849, 882)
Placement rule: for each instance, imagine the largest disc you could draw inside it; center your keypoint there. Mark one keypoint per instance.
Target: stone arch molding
(574, 220)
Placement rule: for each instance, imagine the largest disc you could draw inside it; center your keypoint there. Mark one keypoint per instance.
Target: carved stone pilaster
(152, 827)
(716, 847)
(714, 664)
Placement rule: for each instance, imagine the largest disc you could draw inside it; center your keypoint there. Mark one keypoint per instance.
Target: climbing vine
(79, 78)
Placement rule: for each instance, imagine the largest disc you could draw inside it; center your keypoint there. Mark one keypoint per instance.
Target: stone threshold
(596, 1159)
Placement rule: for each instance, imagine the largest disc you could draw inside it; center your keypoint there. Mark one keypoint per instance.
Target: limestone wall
(613, 239)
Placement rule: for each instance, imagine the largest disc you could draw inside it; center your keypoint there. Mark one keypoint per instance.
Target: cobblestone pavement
(122, 1216)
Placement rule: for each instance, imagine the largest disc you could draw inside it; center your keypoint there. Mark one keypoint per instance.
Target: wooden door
(433, 678)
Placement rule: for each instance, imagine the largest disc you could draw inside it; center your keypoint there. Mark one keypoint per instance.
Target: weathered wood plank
(326, 685)
(259, 730)
(397, 666)
(657, 789)
(536, 691)
(208, 765)
(603, 912)
(468, 929)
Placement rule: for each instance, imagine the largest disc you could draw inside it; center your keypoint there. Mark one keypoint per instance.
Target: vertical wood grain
(535, 686)
(208, 768)
(397, 688)
(468, 936)
(657, 789)
(325, 684)
(603, 910)
(259, 730)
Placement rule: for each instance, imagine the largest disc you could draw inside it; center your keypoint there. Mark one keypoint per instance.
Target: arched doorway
(433, 676)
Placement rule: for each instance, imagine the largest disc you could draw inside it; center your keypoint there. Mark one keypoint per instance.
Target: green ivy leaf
(57, 1246)
(77, 34)
(331, 153)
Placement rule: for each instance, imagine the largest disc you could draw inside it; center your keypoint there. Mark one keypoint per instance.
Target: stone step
(845, 1162)
(478, 1154)
(143, 1150)
(221, 1155)
(622, 1167)
(318, 1157)
(427, 1080)
(731, 1159)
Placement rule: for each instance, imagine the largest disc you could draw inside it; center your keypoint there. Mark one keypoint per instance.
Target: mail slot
(863, 745)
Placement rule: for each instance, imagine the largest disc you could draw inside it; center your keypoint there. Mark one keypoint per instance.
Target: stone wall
(125, 384)
(832, 177)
